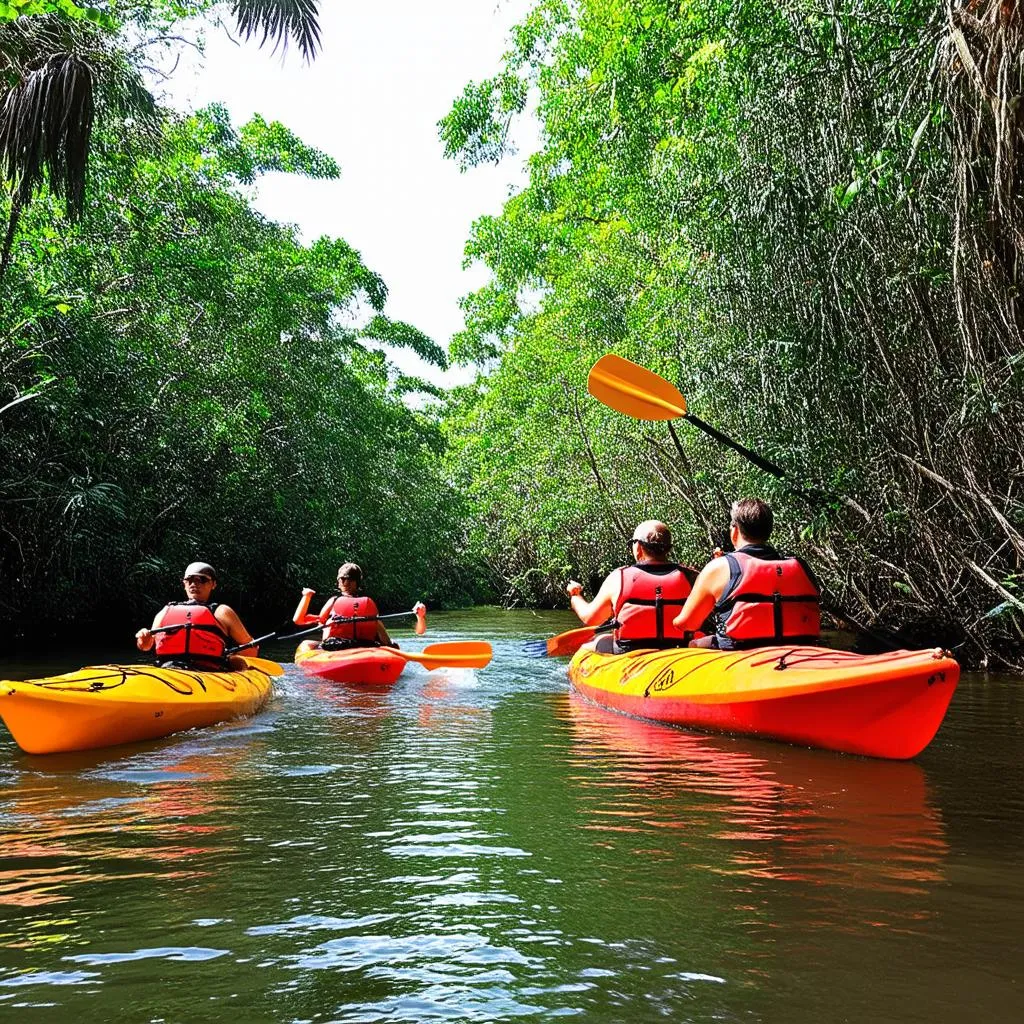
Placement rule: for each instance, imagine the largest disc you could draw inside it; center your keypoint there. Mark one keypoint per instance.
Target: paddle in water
(565, 644)
(456, 654)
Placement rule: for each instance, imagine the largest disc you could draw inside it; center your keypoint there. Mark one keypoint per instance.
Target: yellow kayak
(881, 705)
(103, 705)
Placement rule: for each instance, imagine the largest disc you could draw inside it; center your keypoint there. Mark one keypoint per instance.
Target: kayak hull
(359, 666)
(888, 705)
(106, 705)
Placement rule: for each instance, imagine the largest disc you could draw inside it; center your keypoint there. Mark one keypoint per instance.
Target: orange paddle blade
(458, 654)
(634, 390)
(564, 644)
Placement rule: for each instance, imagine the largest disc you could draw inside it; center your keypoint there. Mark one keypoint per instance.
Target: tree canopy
(809, 220)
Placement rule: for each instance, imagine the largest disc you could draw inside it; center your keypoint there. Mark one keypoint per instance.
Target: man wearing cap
(760, 598)
(641, 598)
(195, 633)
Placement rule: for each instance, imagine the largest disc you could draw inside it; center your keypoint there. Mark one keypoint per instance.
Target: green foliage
(10, 10)
(183, 378)
(62, 64)
(754, 201)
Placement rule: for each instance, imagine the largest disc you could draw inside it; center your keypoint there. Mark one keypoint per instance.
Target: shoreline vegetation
(810, 221)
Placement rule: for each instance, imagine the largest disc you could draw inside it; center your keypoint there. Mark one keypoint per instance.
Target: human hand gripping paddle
(638, 392)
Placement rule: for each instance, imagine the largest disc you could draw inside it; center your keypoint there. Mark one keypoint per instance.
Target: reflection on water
(859, 840)
(481, 846)
(60, 830)
(781, 813)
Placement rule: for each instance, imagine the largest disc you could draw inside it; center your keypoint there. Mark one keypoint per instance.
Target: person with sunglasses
(640, 599)
(338, 612)
(197, 632)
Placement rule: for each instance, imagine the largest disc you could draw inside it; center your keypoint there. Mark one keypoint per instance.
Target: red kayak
(373, 666)
(883, 705)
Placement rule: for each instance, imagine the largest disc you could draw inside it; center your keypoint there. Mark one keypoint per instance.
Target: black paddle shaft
(814, 498)
(757, 460)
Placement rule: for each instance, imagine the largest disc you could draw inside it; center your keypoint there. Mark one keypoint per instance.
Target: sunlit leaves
(756, 201)
(213, 387)
(402, 335)
(59, 62)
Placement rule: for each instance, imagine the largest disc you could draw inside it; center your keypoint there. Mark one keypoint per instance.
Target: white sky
(387, 72)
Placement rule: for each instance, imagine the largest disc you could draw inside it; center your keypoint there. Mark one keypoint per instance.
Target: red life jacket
(650, 596)
(359, 633)
(202, 638)
(768, 600)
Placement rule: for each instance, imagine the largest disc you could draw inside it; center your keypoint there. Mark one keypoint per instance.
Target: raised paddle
(420, 611)
(271, 668)
(638, 392)
(302, 616)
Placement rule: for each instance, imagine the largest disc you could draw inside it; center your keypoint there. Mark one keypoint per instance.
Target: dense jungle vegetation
(807, 217)
(182, 377)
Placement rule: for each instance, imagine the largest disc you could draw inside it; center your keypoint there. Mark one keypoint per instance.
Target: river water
(482, 846)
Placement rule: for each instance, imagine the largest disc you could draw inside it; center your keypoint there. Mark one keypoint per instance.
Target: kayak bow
(104, 705)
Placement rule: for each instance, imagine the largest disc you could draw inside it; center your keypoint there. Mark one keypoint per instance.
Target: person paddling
(349, 604)
(760, 598)
(640, 597)
(202, 629)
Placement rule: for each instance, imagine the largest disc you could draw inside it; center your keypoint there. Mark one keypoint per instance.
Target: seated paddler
(642, 599)
(196, 633)
(759, 597)
(350, 619)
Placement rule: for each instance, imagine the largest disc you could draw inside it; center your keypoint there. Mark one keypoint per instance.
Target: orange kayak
(885, 705)
(104, 705)
(374, 666)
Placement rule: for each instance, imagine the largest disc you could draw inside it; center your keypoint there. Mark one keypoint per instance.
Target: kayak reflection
(771, 812)
(152, 815)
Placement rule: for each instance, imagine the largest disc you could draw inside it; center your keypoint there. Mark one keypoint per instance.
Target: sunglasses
(197, 579)
(343, 579)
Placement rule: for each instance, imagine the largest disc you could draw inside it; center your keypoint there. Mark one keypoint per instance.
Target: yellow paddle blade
(271, 668)
(458, 654)
(634, 390)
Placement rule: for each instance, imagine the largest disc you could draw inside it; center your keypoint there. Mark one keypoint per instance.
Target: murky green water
(480, 846)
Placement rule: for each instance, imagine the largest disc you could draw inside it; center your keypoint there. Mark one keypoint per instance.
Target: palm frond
(46, 121)
(281, 20)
